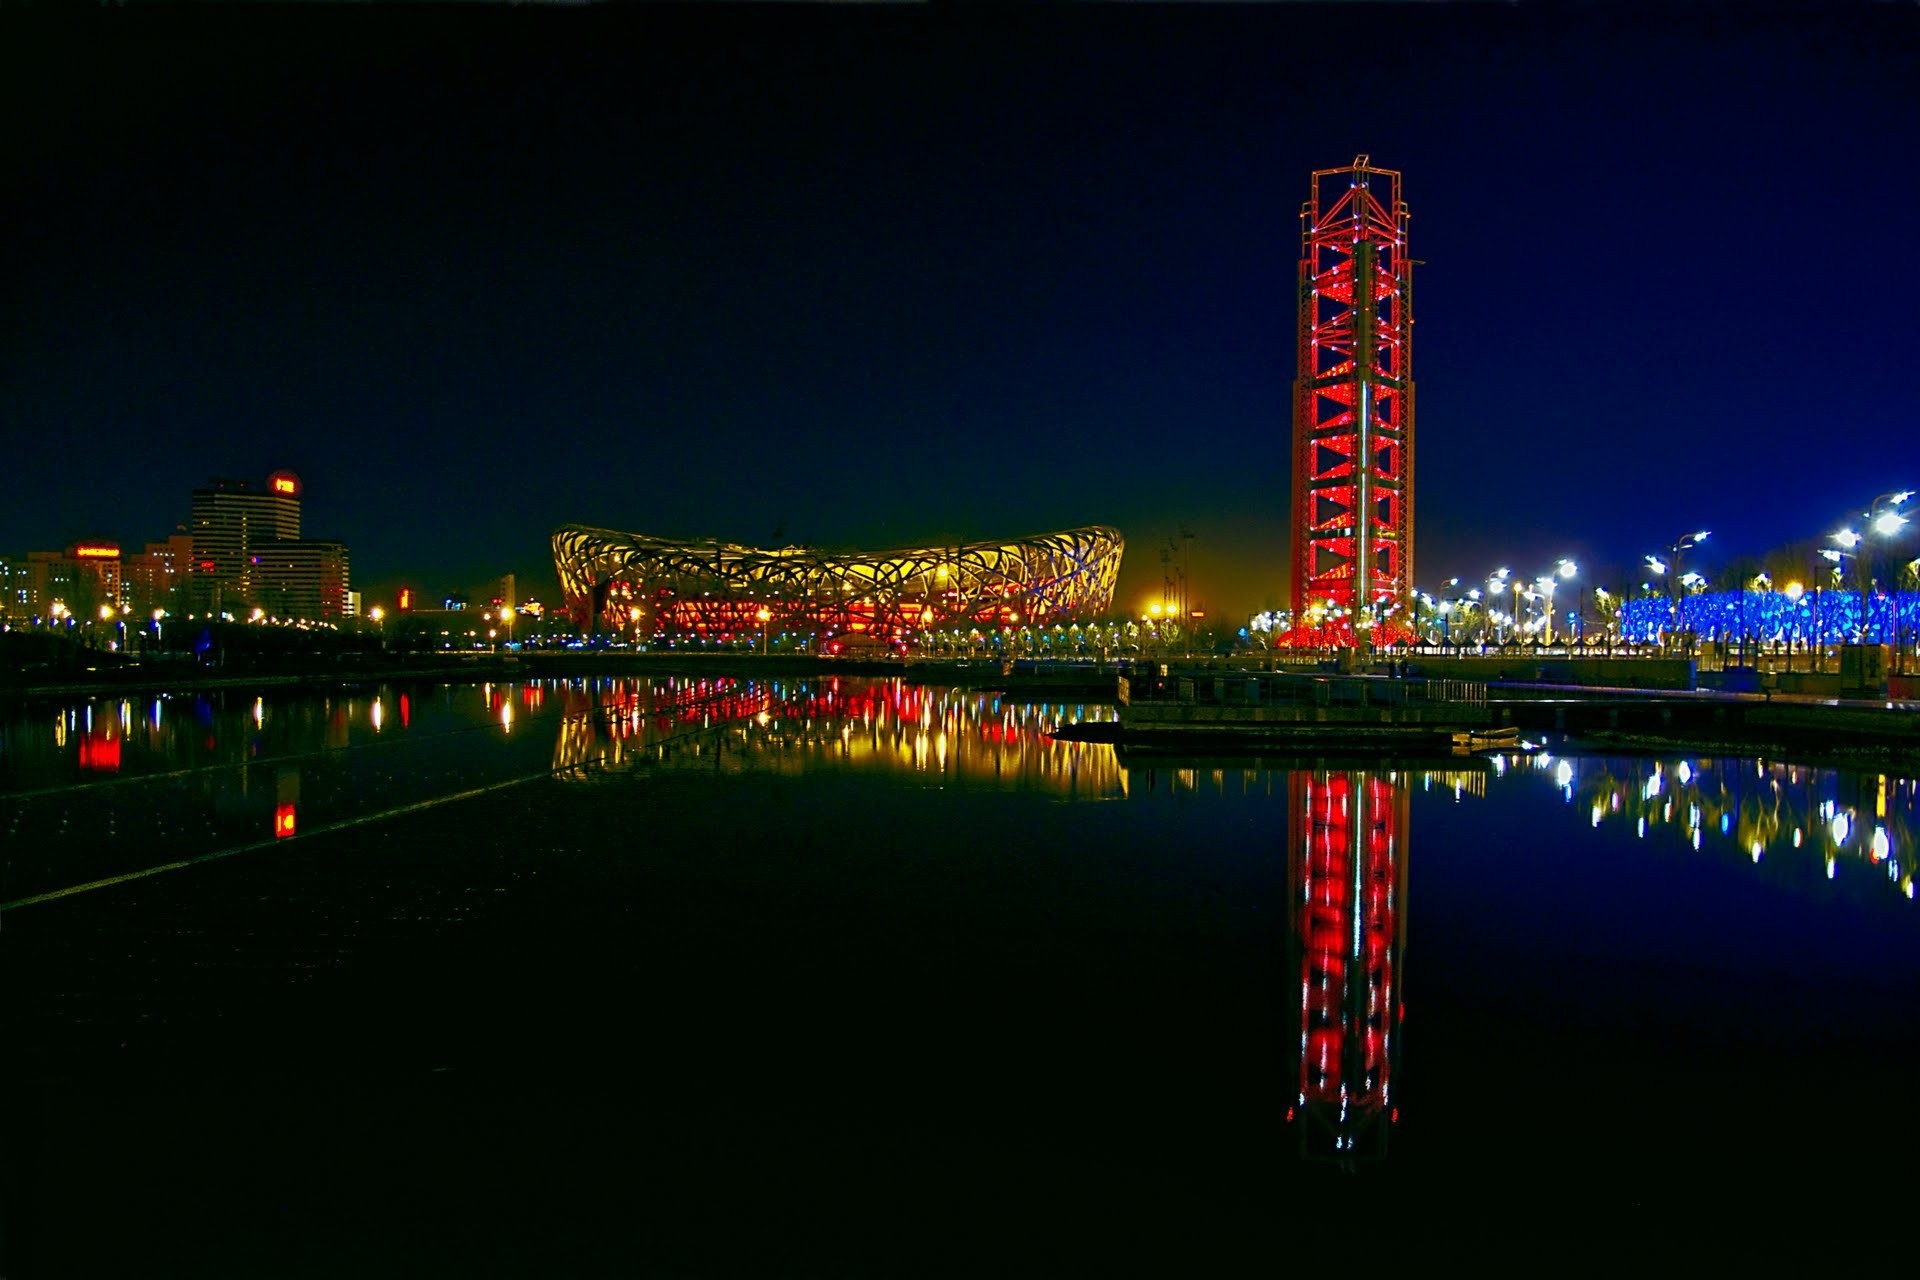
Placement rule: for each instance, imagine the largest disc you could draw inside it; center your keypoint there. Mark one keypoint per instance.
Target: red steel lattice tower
(1353, 413)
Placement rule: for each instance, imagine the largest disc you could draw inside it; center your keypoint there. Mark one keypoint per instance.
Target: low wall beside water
(1592, 671)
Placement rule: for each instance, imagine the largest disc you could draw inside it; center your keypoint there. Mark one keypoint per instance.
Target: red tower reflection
(100, 750)
(1347, 856)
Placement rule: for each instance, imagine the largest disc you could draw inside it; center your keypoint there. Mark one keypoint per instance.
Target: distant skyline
(861, 276)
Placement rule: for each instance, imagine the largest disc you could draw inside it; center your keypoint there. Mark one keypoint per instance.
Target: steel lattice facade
(636, 583)
(1353, 413)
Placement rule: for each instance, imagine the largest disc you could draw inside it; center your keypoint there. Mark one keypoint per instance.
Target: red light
(282, 821)
(96, 553)
(100, 754)
(406, 597)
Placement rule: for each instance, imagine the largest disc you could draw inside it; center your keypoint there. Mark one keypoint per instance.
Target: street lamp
(1884, 519)
(1562, 569)
(1679, 547)
(763, 615)
(108, 614)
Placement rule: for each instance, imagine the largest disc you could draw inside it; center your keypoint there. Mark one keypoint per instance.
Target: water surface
(717, 976)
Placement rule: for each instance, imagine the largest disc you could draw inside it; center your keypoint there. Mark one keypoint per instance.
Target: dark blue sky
(900, 275)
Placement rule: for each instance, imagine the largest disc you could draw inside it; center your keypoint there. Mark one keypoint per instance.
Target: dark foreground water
(717, 978)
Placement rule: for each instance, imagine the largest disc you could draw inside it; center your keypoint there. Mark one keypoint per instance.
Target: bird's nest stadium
(636, 585)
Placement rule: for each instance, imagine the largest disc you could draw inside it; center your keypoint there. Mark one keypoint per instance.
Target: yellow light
(376, 613)
(257, 615)
(763, 614)
(106, 613)
(633, 614)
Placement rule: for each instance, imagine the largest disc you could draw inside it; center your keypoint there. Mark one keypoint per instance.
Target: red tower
(1353, 413)
(1346, 871)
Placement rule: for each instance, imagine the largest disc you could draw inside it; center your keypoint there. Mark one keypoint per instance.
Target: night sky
(854, 275)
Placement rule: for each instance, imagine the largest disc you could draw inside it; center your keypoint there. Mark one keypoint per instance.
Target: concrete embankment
(1284, 711)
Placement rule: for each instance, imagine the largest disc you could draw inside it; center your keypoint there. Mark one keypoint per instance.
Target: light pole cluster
(1669, 568)
(1882, 520)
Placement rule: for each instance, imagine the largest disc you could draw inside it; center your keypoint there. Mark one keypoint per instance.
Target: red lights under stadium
(646, 586)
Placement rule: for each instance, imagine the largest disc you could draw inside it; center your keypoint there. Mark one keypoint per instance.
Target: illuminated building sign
(284, 482)
(90, 551)
(406, 598)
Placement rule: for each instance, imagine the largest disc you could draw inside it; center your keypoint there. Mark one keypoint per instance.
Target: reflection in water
(99, 750)
(1346, 879)
(790, 728)
(214, 772)
(286, 802)
(1767, 811)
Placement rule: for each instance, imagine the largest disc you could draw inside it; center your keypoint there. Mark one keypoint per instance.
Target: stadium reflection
(950, 735)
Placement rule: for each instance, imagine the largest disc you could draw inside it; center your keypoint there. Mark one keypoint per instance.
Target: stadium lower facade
(633, 584)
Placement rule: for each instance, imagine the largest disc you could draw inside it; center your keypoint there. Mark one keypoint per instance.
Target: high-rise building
(79, 580)
(232, 521)
(152, 580)
(296, 578)
(13, 588)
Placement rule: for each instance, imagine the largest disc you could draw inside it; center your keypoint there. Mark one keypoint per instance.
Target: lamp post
(763, 616)
(1884, 519)
(1563, 569)
(1678, 548)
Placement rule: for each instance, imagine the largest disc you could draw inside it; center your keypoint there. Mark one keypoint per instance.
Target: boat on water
(1505, 735)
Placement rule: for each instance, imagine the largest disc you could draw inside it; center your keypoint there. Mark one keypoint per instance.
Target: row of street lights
(1526, 595)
